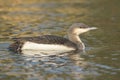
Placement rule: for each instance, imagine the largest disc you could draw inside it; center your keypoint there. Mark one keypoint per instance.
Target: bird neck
(76, 39)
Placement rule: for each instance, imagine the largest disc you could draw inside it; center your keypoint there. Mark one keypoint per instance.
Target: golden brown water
(37, 17)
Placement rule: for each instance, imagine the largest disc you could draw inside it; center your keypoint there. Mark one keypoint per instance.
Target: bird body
(52, 42)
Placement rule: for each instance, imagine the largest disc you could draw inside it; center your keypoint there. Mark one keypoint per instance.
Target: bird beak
(92, 28)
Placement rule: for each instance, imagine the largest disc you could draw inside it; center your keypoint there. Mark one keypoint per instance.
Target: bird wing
(47, 39)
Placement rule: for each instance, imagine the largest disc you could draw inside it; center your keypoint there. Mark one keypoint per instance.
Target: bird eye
(80, 27)
(84, 26)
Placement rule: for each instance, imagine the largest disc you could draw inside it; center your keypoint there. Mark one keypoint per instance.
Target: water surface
(21, 18)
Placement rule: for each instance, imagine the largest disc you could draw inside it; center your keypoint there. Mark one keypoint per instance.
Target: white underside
(32, 48)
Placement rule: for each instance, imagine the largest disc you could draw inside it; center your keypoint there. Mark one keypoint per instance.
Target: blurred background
(20, 18)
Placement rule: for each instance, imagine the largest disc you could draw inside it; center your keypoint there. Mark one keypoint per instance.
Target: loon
(52, 42)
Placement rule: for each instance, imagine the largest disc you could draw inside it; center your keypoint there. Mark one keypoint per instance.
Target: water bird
(47, 43)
